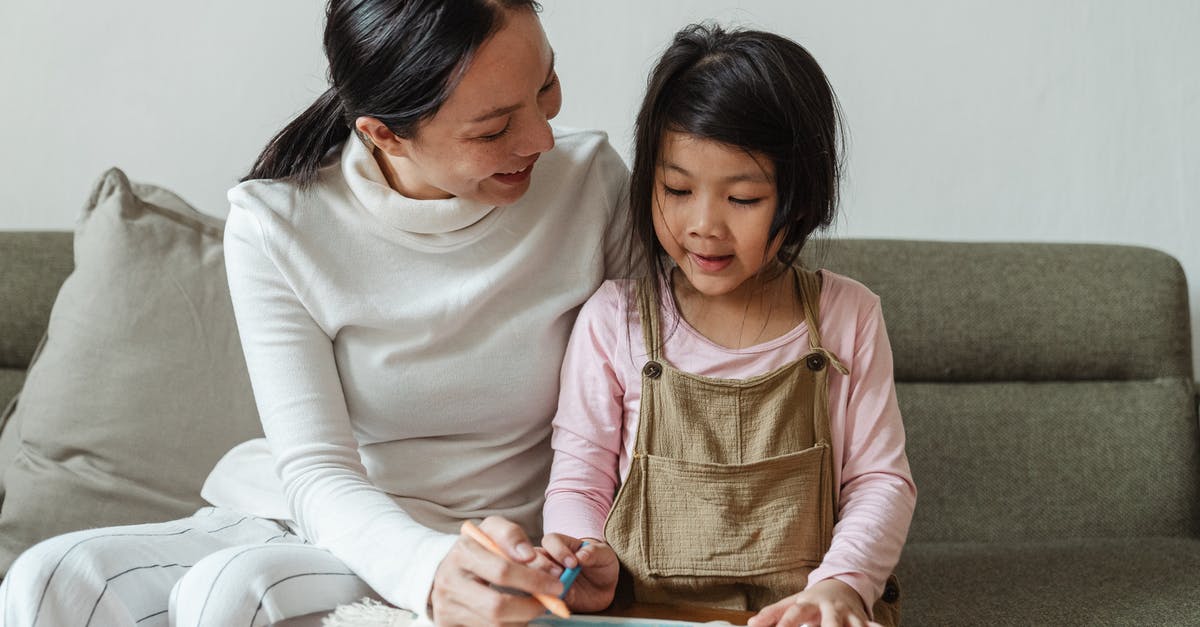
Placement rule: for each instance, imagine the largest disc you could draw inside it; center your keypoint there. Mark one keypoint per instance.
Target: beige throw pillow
(140, 386)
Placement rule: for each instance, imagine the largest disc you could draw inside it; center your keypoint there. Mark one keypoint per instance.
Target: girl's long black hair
(754, 90)
(394, 60)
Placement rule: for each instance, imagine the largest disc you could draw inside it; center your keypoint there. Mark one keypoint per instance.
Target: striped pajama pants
(217, 567)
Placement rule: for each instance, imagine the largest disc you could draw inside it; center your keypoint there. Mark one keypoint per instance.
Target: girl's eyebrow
(507, 109)
(753, 177)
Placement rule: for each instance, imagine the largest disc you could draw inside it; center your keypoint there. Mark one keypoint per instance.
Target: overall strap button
(652, 369)
(891, 593)
(815, 362)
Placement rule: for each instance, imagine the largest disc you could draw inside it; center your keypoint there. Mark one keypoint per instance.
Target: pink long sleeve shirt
(600, 394)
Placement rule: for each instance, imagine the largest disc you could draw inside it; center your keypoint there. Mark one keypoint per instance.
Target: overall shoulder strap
(648, 313)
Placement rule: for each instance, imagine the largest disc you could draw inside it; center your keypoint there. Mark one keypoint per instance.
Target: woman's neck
(759, 310)
(392, 168)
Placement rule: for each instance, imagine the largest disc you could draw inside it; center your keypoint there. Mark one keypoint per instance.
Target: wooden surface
(688, 613)
(637, 610)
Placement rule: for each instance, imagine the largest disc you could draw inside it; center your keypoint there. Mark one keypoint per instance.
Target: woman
(405, 260)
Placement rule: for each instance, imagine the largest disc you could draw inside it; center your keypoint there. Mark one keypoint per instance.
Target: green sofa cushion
(1016, 461)
(1092, 582)
(1024, 312)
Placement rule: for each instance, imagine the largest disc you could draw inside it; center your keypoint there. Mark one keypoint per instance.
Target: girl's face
(713, 206)
(483, 142)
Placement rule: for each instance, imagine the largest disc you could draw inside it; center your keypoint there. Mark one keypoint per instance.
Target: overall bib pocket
(734, 519)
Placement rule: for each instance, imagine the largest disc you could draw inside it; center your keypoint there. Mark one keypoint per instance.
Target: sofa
(1047, 391)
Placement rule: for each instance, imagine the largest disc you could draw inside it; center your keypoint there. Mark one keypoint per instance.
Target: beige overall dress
(729, 500)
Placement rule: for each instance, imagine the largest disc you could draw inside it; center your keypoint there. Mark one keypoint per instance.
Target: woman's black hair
(394, 60)
(754, 90)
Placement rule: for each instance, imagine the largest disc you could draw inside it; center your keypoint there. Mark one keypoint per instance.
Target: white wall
(1067, 120)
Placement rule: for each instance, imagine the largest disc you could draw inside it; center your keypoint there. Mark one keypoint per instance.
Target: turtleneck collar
(418, 217)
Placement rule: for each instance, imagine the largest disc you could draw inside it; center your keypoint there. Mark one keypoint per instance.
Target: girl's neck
(759, 310)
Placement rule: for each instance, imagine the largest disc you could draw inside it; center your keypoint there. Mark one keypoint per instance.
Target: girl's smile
(711, 264)
(713, 208)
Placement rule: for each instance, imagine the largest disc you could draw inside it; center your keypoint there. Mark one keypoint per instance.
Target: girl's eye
(497, 135)
(744, 201)
(671, 191)
(548, 86)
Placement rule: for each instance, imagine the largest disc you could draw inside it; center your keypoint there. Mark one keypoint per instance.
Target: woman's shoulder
(586, 147)
(282, 197)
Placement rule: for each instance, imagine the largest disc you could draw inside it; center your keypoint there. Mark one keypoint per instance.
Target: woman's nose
(538, 138)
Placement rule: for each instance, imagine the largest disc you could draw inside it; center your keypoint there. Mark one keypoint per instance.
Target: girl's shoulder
(845, 298)
(614, 296)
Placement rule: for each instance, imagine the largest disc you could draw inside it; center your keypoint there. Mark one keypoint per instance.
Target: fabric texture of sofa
(1047, 392)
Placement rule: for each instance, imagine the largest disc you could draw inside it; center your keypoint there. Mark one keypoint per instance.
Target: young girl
(744, 406)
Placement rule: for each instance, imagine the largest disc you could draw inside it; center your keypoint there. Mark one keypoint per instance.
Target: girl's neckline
(668, 306)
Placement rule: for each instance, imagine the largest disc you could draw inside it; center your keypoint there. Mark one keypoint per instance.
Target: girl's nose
(706, 220)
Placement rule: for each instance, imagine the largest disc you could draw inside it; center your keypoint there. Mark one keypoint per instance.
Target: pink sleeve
(877, 495)
(588, 425)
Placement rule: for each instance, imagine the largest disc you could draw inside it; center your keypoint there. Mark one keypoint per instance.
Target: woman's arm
(300, 401)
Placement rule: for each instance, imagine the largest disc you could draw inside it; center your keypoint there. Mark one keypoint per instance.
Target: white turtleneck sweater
(405, 354)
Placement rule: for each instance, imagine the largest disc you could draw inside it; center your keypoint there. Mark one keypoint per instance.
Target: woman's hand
(827, 603)
(596, 584)
(463, 586)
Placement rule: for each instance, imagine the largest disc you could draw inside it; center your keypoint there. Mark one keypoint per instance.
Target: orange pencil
(553, 604)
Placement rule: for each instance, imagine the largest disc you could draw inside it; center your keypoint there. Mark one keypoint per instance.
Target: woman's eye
(497, 135)
(550, 85)
(744, 201)
(671, 191)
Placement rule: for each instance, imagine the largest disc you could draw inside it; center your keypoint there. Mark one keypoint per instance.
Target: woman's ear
(381, 136)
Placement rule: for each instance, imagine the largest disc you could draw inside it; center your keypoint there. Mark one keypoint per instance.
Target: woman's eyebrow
(507, 109)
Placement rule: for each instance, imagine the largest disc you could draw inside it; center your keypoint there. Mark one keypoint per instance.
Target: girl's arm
(303, 411)
(588, 427)
(877, 496)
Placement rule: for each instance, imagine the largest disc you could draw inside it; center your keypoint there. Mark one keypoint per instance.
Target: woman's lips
(514, 178)
(711, 264)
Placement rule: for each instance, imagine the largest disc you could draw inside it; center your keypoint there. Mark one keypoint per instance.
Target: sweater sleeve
(877, 496)
(588, 426)
(300, 401)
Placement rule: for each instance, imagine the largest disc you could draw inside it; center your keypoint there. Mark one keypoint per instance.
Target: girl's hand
(596, 584)
(463, 592)
(828, 603)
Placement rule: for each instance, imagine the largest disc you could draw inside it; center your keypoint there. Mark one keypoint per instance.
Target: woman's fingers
(509, 537)
(483, 564)
(477, 604)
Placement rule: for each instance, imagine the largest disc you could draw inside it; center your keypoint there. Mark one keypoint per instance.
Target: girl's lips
(515, 178)
(711, 264)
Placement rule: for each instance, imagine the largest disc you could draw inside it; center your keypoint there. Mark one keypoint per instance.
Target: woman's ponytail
(393, 60)
(296, 152)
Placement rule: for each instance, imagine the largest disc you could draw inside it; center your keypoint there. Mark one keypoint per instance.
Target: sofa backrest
(32, 268)
(1047, 389)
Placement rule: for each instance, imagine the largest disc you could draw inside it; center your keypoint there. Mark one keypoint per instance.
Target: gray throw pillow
(140, 386)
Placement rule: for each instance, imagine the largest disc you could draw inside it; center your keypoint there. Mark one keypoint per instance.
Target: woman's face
(483, 142)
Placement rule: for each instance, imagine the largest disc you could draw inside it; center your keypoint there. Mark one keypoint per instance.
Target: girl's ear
(382, 136)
